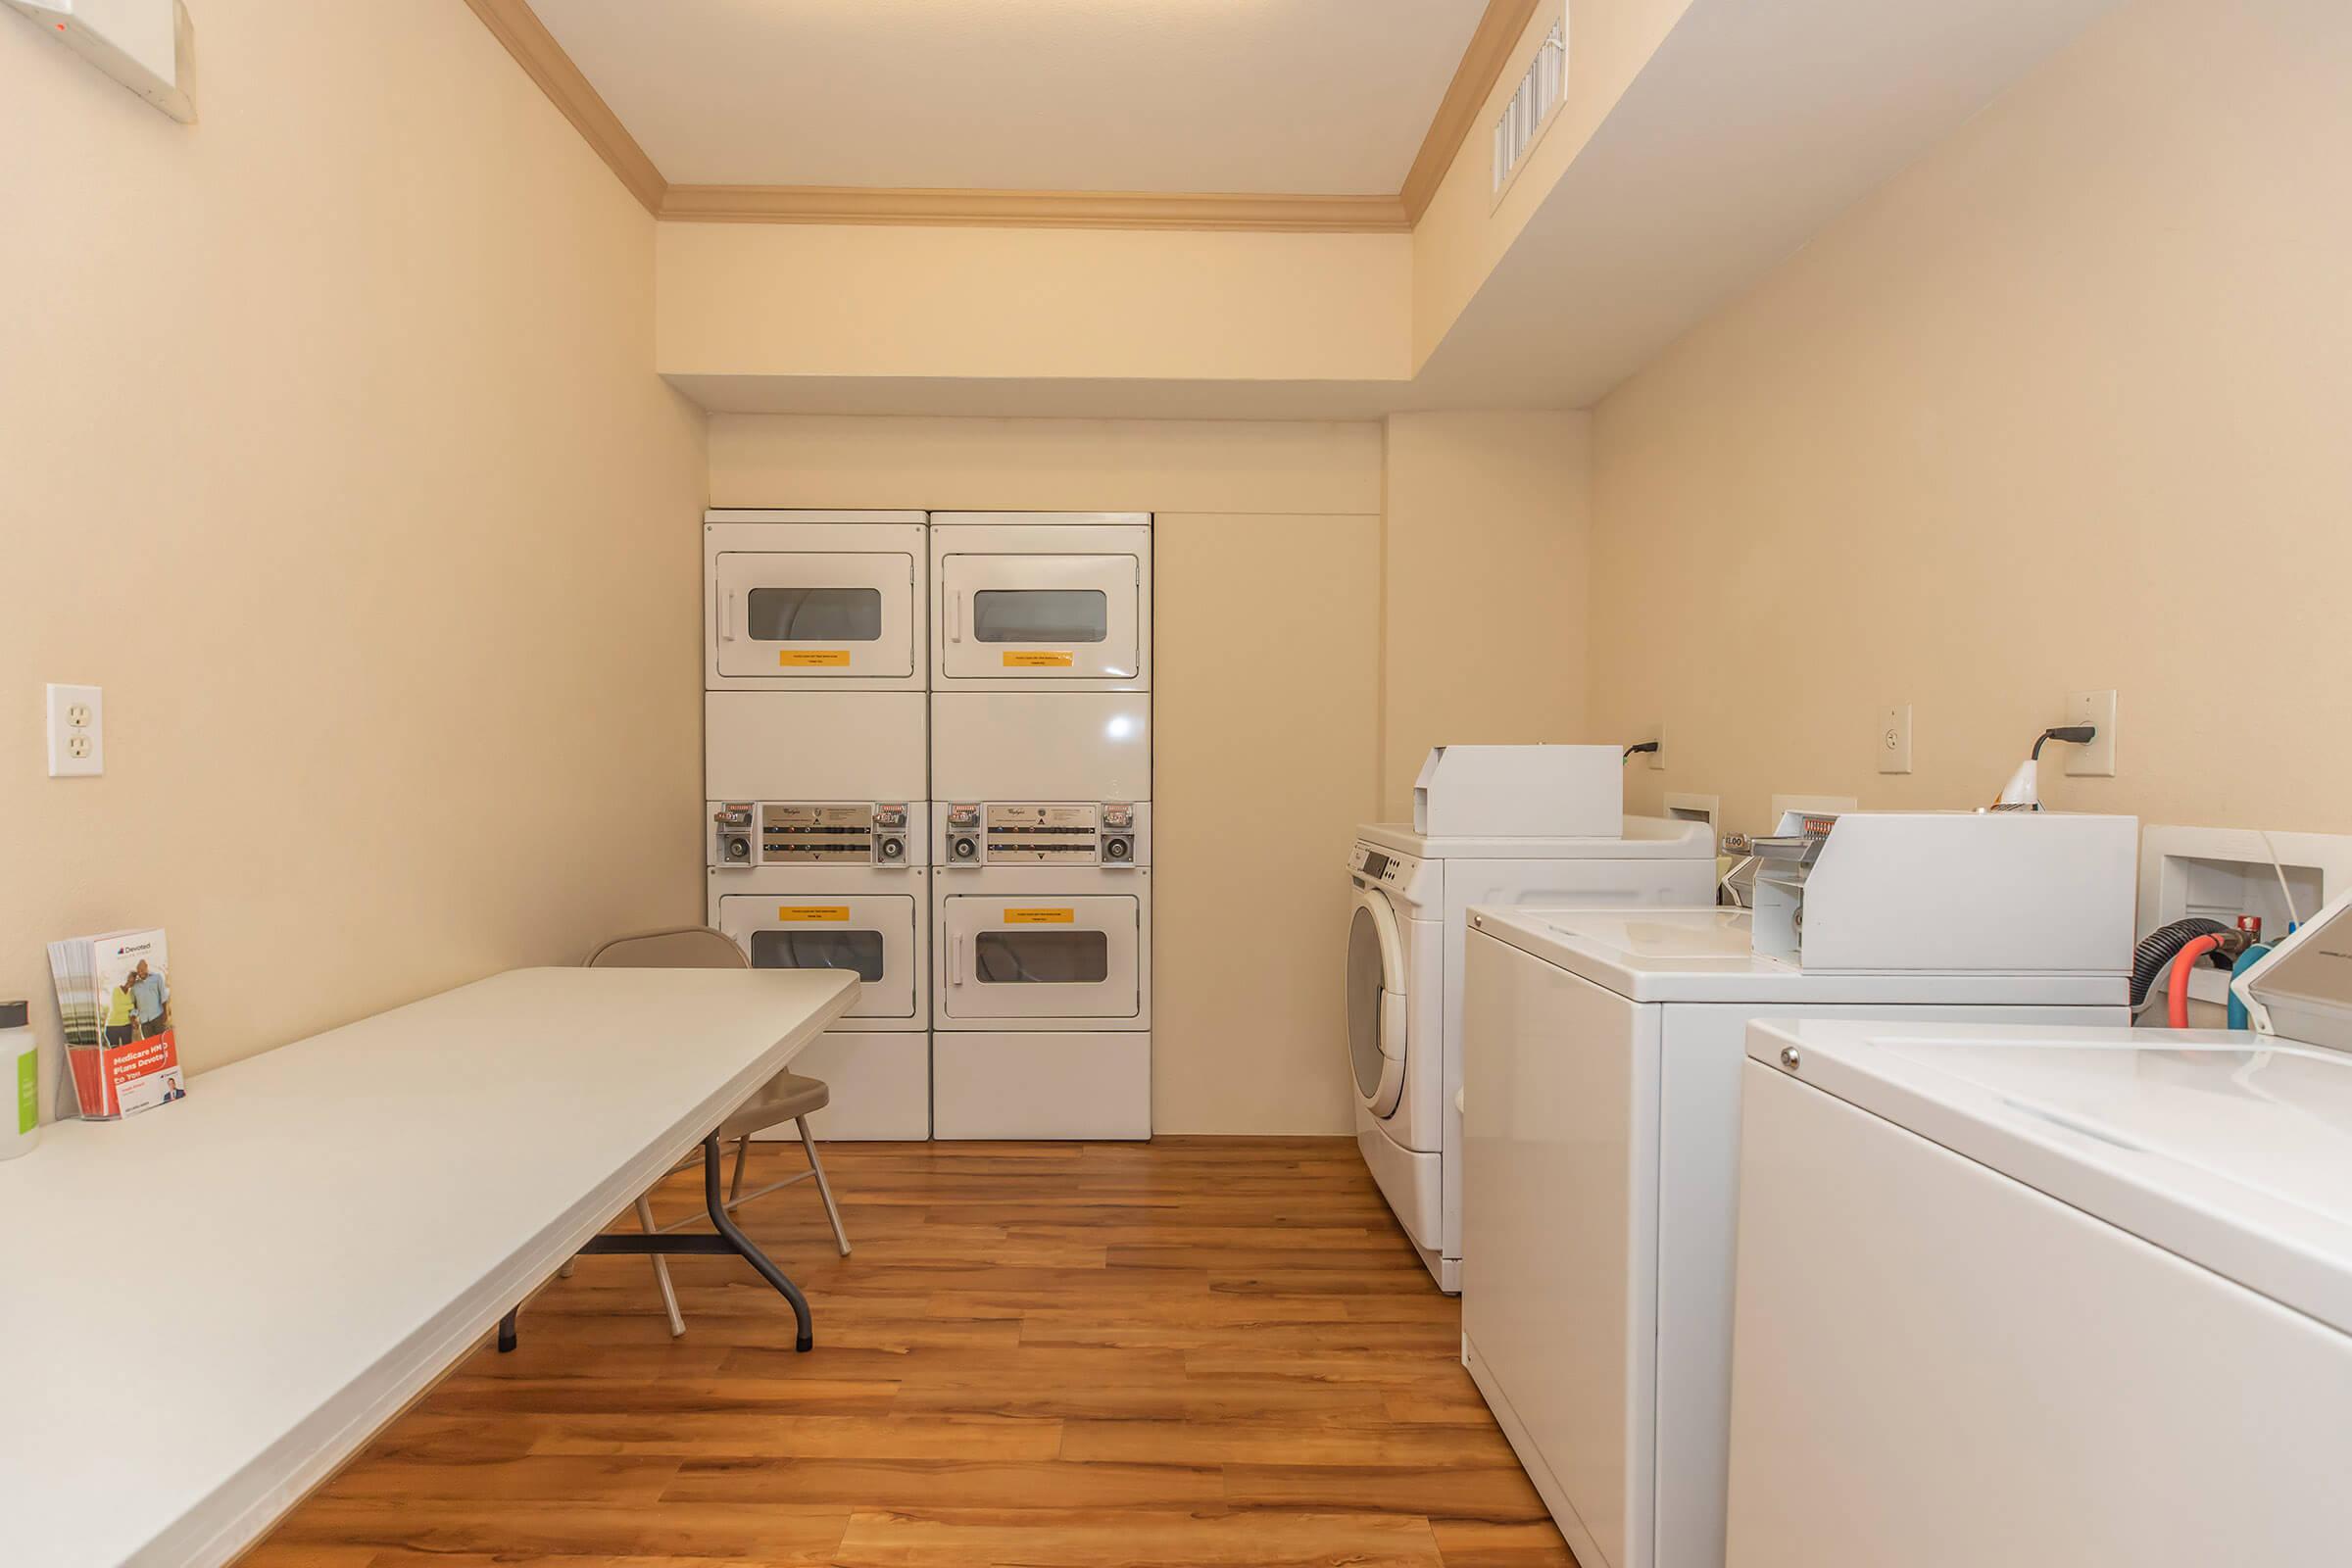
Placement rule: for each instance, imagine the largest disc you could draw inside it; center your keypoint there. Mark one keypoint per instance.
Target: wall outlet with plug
(77, 731)
(2096, 757)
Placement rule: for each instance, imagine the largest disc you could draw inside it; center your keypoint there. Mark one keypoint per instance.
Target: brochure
(114, 999)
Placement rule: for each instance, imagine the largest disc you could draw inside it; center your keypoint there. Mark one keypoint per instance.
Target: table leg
(717, 1205)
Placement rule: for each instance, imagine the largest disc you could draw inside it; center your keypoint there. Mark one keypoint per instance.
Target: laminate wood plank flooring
(1212, 1351)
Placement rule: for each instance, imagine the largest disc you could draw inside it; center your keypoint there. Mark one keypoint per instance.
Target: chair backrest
(679, 947)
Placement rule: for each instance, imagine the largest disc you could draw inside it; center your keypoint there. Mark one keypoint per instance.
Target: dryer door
(1037, 618)
(813, 616)
(1377, 1008)
(1041, 957)
(871, 934)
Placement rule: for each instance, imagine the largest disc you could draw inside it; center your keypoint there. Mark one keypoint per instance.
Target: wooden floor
(1190, 1352)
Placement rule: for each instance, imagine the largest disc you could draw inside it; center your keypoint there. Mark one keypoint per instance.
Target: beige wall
(1268, 560)
(2069, 404)
(1482, 610)
(816, 300)
(334, 452)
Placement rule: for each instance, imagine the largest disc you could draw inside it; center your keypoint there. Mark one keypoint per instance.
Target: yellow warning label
(813, 657)
(1063, 916)
(1039, 659)
(796, 912)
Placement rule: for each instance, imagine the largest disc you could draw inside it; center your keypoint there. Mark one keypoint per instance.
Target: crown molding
(516, 25)
(1483, 62)
(1034, 209)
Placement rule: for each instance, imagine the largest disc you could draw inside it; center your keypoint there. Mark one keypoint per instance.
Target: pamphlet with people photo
(114, 997)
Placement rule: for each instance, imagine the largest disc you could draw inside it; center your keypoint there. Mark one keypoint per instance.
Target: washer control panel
(1041, 833)
(753, 833)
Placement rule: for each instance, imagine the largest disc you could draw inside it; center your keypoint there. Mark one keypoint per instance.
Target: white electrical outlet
(2098, 759)
(77, 731)
(1658, 759)
(1894, 739)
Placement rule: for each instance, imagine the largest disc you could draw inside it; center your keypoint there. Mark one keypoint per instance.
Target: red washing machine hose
(2176, 998)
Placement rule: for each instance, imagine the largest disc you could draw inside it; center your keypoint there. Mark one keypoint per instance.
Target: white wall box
(2223, 872)
(1025, 745)
(865, 746)
(815, 601)
(1041, 601)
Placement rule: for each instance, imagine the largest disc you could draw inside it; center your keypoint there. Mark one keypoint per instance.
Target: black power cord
(1643, 746)
(2072, 734)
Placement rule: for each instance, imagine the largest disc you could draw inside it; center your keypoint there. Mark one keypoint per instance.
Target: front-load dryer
(839, 885)
(1405, 976)
(1042, 1017)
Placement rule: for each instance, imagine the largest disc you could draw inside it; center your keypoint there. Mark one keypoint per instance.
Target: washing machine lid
(1645, 838)
(2231, 1150)
(1710, 956)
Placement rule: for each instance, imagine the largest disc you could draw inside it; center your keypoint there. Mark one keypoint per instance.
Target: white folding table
(206, 1308)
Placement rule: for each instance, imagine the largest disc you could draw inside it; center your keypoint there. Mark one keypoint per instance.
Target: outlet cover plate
(77, 731)
(2098, 759)
(1894, 739)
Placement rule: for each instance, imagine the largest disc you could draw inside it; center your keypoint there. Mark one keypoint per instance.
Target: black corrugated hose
(2157, 948)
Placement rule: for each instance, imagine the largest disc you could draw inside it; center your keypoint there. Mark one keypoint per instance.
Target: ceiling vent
(1531, 108)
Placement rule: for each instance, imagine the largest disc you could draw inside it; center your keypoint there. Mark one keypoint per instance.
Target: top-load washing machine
(1404, 978)
(1602, 1057)
(2045, 1297)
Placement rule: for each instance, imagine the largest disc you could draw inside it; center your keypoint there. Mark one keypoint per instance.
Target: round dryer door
(1376, 1001)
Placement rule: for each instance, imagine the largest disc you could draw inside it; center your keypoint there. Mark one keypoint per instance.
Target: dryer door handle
(727, 611)
(954, 961)
(955, 617)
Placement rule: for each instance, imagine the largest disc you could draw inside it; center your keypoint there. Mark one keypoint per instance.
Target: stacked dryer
(1041, 815)
(815, 755)
(932, 732)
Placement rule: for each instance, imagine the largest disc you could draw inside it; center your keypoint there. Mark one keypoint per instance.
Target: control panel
(1042, 833)
(752, 833)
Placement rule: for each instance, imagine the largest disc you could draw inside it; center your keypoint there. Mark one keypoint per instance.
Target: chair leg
(743, 1151)
(670, 1296)
(824, 1189)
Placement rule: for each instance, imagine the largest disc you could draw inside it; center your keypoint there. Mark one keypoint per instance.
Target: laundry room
(888, 781)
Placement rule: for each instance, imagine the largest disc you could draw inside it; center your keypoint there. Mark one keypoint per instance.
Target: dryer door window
(1376, 1003)
(811, 616)
(1041, 617)
(1041, 956)
(871, 935)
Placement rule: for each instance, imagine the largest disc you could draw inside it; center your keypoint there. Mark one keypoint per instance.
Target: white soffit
(1227, 96)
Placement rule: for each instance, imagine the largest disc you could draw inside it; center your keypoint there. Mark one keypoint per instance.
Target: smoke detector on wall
(147, 45)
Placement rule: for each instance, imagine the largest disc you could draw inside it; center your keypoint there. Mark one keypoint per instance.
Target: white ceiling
(1314, 96)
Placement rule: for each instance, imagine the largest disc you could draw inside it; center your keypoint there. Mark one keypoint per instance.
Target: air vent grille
(1531, 107)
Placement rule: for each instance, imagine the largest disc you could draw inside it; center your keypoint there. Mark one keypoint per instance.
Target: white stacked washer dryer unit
(816, 769)
(1041, 787)
(1404, 981)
